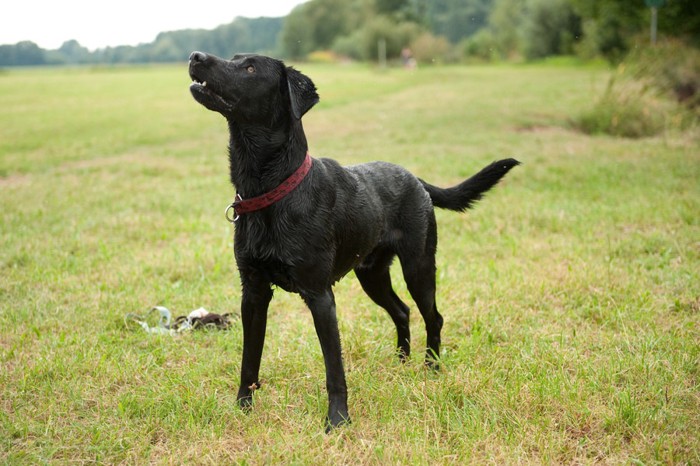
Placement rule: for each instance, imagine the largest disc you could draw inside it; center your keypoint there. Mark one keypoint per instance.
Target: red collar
(243, 206)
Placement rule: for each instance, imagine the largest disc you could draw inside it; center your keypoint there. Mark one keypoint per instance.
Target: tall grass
(656, 89)
(627, 109)
(571, 292)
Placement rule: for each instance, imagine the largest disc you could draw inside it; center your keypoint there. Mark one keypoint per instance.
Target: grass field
(571, 293)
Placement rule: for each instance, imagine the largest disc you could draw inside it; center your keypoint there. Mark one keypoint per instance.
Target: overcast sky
(99, 23)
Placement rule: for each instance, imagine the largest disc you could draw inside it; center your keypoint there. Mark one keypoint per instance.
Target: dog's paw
(432, 363)
(245, 395)
(336, 421)
(404, 353)
(246, 403)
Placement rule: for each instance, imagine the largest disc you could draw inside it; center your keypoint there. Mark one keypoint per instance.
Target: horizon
(96, 26)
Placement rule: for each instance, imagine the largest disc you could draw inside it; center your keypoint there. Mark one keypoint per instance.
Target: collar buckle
(233, 218)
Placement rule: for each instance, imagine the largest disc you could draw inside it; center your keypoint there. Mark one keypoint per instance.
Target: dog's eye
(250, 69)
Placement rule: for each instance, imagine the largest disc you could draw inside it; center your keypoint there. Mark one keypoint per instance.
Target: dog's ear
(302, 92)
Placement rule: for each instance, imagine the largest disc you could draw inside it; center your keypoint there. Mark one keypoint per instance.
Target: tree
(551, 27)
(612, 25)
(72, 52)
(297, 35)
(388, 7)
(23, 53)
(329, 20)
(399, 10)
(505, 25)
(457, 19)
(395, 35)
(681, 19)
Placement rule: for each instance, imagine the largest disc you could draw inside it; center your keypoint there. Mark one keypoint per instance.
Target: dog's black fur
(338, 219)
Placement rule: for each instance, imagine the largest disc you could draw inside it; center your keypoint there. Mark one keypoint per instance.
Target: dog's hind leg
(254, 304)
(420, 280)
(376, 281)
(322, 306)
(418, 265)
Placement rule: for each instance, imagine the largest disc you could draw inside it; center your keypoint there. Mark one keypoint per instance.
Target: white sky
(98, 23)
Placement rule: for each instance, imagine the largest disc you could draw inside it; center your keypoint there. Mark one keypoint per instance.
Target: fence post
(381, 46)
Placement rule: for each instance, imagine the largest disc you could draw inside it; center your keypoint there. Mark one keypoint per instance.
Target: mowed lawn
(571, 293)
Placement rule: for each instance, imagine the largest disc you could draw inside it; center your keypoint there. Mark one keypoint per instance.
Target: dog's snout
(198, 56)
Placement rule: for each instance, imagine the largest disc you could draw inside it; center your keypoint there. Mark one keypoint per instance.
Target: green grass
(571, 294)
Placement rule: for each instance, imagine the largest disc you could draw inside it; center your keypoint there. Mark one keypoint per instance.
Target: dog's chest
(300, 257)
(266, 244)
(283, 257)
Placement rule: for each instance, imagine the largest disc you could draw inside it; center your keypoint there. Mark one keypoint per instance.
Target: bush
(428, 48)
(643, 97)
(673, 68)
(625, 110)
(629, 109)
(481, 45)
(351, 46)
(362, 44)
(396, 35)
(322, 56)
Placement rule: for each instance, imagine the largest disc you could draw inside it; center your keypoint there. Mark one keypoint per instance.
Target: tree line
(242, 34)
(452, 30)
(433, 30)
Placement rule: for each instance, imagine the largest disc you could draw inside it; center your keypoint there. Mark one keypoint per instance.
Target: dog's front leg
(323, 310)
(256, 299)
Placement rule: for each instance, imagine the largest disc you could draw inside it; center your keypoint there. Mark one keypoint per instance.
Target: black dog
(311, 221)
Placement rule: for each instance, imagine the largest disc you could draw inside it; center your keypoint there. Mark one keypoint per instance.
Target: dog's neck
(260, 158)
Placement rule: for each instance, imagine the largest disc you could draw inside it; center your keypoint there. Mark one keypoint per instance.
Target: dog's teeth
(204, 84)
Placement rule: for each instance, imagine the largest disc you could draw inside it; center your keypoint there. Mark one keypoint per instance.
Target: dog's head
(250, 88)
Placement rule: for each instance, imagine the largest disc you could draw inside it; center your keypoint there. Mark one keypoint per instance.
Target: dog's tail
(464, 195)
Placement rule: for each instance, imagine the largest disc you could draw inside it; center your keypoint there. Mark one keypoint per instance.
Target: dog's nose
(198, 56)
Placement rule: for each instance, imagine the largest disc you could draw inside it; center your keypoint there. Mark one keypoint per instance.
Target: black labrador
(312, 221)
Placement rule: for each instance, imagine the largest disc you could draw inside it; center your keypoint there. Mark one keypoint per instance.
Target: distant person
(407, 58)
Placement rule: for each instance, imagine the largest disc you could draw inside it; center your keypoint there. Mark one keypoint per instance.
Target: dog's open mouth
(206, 95)
(197, 83)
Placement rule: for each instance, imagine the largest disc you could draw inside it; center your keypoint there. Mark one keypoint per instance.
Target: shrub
(673, 68)
(322, 56)
(626, 110)
(396, 36)
(351, 46)
(642, 98)
(428, 48)
(481, 45)
(362, 44)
